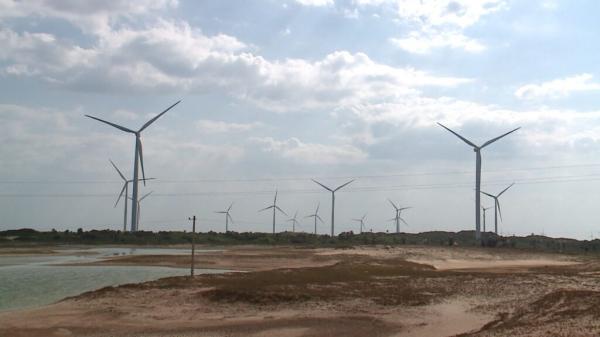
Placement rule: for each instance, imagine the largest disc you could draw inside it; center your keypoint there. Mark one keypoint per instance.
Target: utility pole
(193, 219)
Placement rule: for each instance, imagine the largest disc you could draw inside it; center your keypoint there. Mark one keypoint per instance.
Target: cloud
(437, 23)
(311, 153)
(210, 126)
(423, 43)
(315, 3)
(91, 16)
(144, 60)
(558, 88)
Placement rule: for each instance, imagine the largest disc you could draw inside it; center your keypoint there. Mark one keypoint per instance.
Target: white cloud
(312, 153)
(438, 23)
(91, 16)
(145, 60)
(315, 3)
(558, 88)
(210, 126)
(424, 43)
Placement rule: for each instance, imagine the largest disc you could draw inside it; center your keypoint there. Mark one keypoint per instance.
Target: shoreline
(310, 292)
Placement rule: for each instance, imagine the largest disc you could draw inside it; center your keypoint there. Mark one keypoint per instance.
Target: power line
(525, 181)
(223, 180)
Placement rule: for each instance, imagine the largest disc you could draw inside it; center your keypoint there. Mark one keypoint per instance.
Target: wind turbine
(124, 190)
(497, 206)
(398, 218)
(138, 158)
(477, 150)
(227, 217)
(275, 208)
(316, 216)
(294, 222)
(362, 222)
(138, 209)
(484, 209)
(333, 202)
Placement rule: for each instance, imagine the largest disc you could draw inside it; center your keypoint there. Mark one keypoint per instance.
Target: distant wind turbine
(333, 202)
(497, 206)
(138, 209)
(275, 208)
(138, 156)
(362, 222)
(124, 191)
(398, 218)
(477, 150)
(316, 216)
(227, 217)
(294, 222)
(484, 209)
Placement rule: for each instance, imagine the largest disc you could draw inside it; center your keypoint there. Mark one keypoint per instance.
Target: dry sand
(368, 291)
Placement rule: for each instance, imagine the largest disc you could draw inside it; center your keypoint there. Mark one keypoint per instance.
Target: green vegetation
(344, 240)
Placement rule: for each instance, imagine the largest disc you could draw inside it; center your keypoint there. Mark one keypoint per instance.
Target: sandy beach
(365, 291)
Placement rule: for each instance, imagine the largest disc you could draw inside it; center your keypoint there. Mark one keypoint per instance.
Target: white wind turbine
(333, 202)
(124, 191)
(398, 217)
(138, 159)
(477, 150)
(294, 222)
(227, 217)
(484, 209)
(275, 208)
(138, 208)
(362, 222)
(497, 206)
(316, 216)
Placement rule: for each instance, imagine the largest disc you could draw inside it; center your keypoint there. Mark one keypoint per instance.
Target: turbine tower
(477, 150)
(275, 208)
(124, 190)
(138, 159)
(294, 222)
(316, 216)
(484, 209)
(398, 218)
(227, 217)
(497, 206)
(362, 222)
(333, 202)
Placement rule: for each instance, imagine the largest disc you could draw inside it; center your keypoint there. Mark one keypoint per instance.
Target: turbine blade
(229, 208)
(497, 138)
(309, 216)
(318, 217)
(489, 195)
(141, 154)
(339, 187)
(145, 195)
(459, 136)
(325, 187)
(318, 205)
(393, 205)
(504, 190)
(403, 208)
(275, 200)
(121, 194)
(230, 218)
(266, 208)
(279, 209)
(499, 210)
(220, 212)
(393, 219)
(118, 171)
(404, 221)
(122, 128)
(157, 116)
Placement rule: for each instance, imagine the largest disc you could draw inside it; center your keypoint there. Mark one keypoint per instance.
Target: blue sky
(277, 92)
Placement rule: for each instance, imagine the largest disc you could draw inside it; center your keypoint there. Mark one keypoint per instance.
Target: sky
(275, 93)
